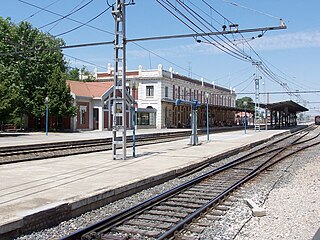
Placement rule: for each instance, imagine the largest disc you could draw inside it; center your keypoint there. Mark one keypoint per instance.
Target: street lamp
(47, 114)
(207, 103)
(245, 104)
(134, 87)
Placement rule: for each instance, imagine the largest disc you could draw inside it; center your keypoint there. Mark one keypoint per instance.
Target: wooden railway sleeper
(135, 231)
(170, 208)
(154, 224)
(191, 199)
(166, 213)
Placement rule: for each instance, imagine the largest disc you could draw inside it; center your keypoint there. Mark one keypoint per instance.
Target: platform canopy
(287, 106)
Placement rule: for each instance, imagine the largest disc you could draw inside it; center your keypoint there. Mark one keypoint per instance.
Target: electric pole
(119, 138)
(257, 98)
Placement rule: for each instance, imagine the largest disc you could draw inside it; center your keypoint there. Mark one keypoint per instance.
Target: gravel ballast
(293, 205)
(290, 194)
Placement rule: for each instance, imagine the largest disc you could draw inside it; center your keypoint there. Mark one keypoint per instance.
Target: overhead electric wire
(250, 77)
(232, 44)
(246, 87)
(96, 28)
(251, 9)
(301, 86)
(85, 61)
(176, 16)
(205, 2)
(281, 92)
(39, 11)
(245, 70)
(99, 29)
(267, 71)
(61, 20)
(60, 15)
(204, 12)
(219, 47)
(105, 32)
(73, 29)
(69, 14)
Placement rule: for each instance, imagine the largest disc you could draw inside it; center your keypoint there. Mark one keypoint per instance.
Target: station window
(150, 91)
(166, 92)
(82, 111)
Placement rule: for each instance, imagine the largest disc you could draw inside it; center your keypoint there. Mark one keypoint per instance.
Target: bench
(9, 128)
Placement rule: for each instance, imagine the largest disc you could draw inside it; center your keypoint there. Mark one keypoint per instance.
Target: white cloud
(295, 40)
(288, 41)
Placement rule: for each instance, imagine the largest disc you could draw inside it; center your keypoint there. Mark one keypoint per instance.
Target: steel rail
(112, 221)
(207, 164)
(263, 166)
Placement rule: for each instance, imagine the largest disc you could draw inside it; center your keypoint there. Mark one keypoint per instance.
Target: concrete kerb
(72, 208)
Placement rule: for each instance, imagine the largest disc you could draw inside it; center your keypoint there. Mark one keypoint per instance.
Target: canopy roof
(287, 106)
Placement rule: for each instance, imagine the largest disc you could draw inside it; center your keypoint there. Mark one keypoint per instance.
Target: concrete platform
(45, 192)
(24, 138)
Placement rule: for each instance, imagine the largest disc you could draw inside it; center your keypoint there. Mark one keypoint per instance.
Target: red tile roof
(89, 89)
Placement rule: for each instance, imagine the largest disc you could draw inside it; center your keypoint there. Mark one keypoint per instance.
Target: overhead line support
(257, 118)
(178, 36)
(119, 109)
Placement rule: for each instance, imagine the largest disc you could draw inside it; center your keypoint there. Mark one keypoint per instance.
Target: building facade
(94, 106)
(157, 90)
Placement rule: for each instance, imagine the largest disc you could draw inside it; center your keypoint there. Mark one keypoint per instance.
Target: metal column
(119, 89)
(257, 119)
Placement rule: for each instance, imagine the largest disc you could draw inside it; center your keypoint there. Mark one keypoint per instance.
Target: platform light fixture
(245, 104)
(207, 105)
(134, 86)
(47, 114)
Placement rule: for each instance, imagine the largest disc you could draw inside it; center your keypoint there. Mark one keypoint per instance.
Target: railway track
(168, 215)
(14, 154)
(22, 153)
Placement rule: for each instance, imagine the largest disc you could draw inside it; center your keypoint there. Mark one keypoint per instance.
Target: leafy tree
(60, 100)
(250, 103)
(28, 59)
(74, 74)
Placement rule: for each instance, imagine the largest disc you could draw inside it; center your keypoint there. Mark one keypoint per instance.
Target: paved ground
(13, 139)
(31, 187)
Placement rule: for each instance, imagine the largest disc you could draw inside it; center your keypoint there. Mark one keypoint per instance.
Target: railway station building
(156, 92)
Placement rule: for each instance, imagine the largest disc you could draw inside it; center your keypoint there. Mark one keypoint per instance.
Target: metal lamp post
(134, 88)
(47, 114)
(245, 104)
(207, 105)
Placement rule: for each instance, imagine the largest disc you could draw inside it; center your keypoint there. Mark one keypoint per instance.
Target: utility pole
(257, 98)
(119, 138)
(266, 102)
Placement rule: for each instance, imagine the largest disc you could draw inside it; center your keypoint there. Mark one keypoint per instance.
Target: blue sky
(293, 55)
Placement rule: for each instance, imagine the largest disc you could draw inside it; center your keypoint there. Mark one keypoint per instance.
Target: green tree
(60, 100)
(250, 103)
(28, 59)
(74, 74)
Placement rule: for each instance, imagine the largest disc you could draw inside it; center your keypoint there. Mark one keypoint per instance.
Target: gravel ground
(281, 191)
(289, 193)
(293, 206)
